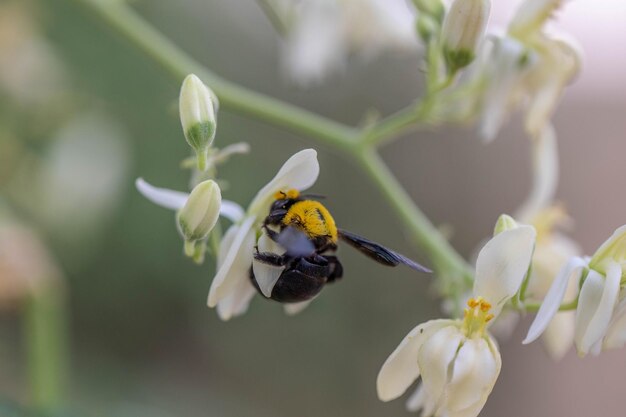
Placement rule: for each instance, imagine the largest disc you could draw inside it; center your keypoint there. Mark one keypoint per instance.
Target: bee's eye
(279, 204)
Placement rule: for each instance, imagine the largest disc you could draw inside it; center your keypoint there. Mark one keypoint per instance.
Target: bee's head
(285, 199)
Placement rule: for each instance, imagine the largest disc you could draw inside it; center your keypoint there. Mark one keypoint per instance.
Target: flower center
(476, 317)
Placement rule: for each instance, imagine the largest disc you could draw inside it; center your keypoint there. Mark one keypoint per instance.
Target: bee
(309, 234)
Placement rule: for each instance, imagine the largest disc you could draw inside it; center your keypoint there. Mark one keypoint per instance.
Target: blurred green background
(143, 342)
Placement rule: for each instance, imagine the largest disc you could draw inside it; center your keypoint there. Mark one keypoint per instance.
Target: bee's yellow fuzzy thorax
(312, 218)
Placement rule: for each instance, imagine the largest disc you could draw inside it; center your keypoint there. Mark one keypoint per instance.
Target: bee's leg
(272, 234)
(271, 258)
(336, 269)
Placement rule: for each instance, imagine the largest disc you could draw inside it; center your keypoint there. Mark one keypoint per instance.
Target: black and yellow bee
(307, 231)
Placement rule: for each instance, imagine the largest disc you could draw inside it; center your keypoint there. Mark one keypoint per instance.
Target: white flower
(599, 322)
(322, 33)
(232, 289)
(526, 67)
(458, 360)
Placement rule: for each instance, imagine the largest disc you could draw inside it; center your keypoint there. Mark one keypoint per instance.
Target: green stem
(274, 17)
(233, 97)
(447, 262)
(348, 140)
(534, 307)
(46, 341)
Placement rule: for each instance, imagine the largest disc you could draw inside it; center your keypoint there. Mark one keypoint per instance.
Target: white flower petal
(163, 197)
(616, 334)
(299, 172)
(545, 173)
(503, 73)
(474, 410)
(400, 369)
(613, 249)
(474, 374)
(419, 401)
(234, 260)
(552, 302)
(231, 210)
(502, 265)
(237, 301)
(559, 63)
(434, 359)
(558, 337)
(291, 309)
(598, 297)
(267, 275)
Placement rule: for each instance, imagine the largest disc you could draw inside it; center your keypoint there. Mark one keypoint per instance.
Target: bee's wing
(378, 252)
(295, 242)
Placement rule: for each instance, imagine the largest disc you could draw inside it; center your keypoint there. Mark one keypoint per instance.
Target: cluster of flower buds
(198, 211)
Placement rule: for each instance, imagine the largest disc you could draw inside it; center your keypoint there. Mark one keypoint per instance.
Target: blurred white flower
(30, 72)
(458, 360)
(26, 265)
(321, 34)
(526, 67)
(599, 323)
(80, 181)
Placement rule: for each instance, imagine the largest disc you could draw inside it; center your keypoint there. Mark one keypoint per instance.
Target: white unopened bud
(198, 105)
(463, 28)
(201, 211)
(504, 223)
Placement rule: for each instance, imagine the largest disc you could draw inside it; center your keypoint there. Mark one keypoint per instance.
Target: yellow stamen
(476, 316)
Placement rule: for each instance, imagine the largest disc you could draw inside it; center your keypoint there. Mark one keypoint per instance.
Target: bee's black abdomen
(293, 286)
(300, 282)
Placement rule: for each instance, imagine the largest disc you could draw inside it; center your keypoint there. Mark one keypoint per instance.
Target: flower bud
(427, 27)
(201, 211)
(463, 27)
(504, 223)
(613, 250)
(432, 8)
(197, 105)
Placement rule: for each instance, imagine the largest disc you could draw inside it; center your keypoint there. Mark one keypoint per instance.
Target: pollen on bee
(313, 218)
(289, 194)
